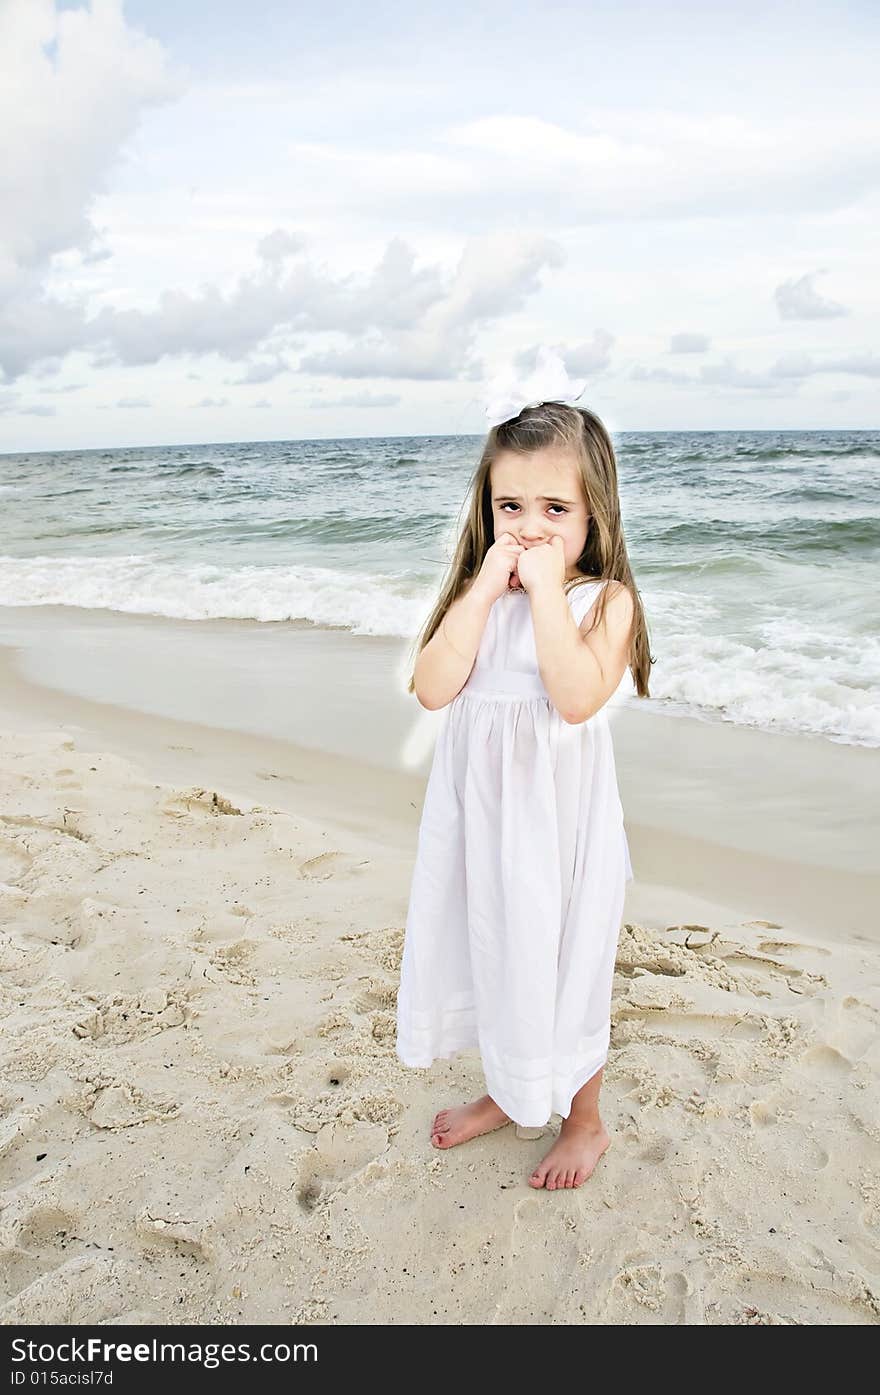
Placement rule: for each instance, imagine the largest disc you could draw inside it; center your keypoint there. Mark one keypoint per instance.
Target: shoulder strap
(582, 596)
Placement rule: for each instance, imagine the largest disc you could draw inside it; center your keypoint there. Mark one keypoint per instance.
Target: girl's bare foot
(466, 1121)
(573, 1156)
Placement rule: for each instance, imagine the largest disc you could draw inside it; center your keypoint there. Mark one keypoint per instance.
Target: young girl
(522, 863)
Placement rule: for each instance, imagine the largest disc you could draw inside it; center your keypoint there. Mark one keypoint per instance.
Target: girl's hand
(498, 572)
(543, 565)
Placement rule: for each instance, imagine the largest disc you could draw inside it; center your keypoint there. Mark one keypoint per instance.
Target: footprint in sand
(799, 981)
(785, 946)
(824, 1057)
(34, 1241)
(374, 993)
(329, 864)
(648, 1294)
(341, 1149)
(549, 1252)
(87, 1289)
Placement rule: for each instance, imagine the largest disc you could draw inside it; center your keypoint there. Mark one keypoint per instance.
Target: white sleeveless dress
(518, 886)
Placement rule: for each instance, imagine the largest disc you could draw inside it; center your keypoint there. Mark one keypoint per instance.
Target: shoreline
(774, 825)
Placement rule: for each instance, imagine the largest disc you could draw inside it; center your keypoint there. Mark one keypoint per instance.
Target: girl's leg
(582, 1141)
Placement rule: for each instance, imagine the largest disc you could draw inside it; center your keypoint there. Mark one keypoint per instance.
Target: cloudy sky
(227, 221)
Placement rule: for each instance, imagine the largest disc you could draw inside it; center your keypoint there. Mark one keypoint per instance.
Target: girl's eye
(510, 503)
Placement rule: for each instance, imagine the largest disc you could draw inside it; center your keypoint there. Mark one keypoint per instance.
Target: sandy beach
(201, 922)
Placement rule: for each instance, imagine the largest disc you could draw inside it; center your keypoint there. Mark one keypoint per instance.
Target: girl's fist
(499, 570)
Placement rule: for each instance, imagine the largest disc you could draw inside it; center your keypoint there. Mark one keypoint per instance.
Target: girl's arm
(444, 665)
(580, 671)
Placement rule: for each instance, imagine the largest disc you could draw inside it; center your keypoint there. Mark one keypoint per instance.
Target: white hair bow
(507, 395)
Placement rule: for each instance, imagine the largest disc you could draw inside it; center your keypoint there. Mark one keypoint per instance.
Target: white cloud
(689, 343)
(494, 277)
(862, 365)
(590, 357)
(278, 245)
(799, 300)
(729, 374)
(65, 118)
(791, 368)
(400, 320)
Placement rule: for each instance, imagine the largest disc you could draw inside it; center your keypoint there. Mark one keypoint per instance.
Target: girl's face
(538, 495)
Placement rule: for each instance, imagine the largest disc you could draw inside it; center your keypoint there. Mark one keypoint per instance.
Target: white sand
(202, 1117)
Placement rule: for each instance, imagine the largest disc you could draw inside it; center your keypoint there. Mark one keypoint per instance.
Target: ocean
(755, 552)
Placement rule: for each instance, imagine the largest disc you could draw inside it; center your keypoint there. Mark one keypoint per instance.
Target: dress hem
(527, 1113)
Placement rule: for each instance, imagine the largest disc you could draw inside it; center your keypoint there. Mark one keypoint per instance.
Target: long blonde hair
(604, 555)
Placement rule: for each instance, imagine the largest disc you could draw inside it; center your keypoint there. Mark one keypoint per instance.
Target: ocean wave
(781, 534)
(791, 675)
(193, 467)
(143, 585)
(782, 688)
